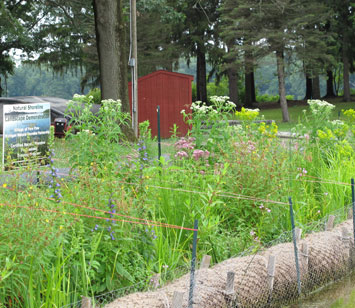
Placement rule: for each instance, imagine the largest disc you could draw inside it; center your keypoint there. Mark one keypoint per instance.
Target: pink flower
(197, 154)
(183, 143)
(181, 154)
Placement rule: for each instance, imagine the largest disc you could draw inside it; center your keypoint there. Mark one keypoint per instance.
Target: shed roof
(160, 72)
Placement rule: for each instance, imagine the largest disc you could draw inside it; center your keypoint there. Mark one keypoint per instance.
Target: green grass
(296, 113)
(343, 303)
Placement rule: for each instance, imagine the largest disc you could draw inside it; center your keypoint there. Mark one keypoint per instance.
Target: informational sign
(25, 134)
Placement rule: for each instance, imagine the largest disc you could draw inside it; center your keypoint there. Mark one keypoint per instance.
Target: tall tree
(195, 34)
(343, 26)
(276, 27)
(18, 30)
(111, 46)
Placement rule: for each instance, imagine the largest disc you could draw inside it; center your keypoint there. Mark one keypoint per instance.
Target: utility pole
(133, 64)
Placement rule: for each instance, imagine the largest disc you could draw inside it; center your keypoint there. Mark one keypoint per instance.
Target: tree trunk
(233, 85)
(248, 90)
(330, 84)
(309, 87)
(111, 47)
(282, 90)
(346, 79)
(315, 87)
(201, 76)
(253, 92)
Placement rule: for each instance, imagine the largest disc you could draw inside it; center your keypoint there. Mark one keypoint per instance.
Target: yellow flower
(4, 185)
(60, 227)
(47, 220)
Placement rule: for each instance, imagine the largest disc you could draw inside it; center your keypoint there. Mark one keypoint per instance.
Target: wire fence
(261, 276)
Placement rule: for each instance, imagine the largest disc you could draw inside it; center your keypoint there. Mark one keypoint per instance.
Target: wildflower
(261, 206)
(181, 154)
(4, 185)
(165, 266)
(268, 210)
(197, 154)
(252, 233)
(302, 171)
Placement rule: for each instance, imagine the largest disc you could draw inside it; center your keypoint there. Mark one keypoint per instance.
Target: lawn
(297, 113)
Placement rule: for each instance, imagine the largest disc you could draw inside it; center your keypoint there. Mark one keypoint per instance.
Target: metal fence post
(295, 247)
(193, 262)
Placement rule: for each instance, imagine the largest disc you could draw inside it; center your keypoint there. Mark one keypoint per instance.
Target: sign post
(25, 134)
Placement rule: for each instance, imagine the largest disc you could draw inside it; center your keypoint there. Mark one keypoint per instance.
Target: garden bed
(125, 217)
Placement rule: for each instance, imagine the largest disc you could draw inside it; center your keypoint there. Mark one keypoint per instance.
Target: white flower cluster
(110, 104)
(337, 123)
(318, 106)
(219, 104)
(252, 110)
(78, 96)
(222, 102)
(200, 107)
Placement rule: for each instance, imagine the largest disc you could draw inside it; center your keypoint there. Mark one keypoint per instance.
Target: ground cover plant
(123, 215)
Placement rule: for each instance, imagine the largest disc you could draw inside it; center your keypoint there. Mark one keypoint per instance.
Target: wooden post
(298, 232)
(350, 213)
(86, 302)
(229, 292)
(330, 224)
(177, 299)
(271, 272)
(345, 235)
(346, 239)
(230, 283)
(205, 262)
(155, 281)
(304, 253)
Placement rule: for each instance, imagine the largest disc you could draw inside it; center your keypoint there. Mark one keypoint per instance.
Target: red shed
(172, 92)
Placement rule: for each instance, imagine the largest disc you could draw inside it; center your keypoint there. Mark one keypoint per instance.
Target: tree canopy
(314, 38)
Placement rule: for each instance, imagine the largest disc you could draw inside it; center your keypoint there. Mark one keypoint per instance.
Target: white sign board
(25, 134)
